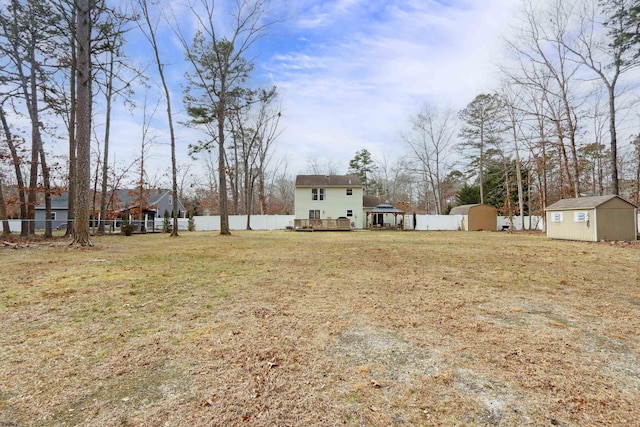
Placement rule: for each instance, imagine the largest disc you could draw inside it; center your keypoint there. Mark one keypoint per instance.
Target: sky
(350, 74)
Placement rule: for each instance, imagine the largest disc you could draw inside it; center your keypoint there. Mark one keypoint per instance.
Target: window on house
(349, 212)
(317, 194)
(349, 191)
(314, 214)
(53, 216)
(171, 200)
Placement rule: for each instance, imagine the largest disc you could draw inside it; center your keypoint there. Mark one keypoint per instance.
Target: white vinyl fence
(239, 222)
(423, 222)
(281, 222)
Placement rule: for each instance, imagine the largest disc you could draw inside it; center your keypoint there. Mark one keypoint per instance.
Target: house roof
(328, 181)
(583, 203)
(126, 198)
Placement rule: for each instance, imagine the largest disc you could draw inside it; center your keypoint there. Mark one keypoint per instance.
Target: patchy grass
(284, 328)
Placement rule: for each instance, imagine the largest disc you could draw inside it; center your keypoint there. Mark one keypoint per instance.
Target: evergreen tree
(362, 165)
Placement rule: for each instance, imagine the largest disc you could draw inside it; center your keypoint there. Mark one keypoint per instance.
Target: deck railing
(322, 224)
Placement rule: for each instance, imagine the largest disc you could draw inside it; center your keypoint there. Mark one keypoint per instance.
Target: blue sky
(350, 73)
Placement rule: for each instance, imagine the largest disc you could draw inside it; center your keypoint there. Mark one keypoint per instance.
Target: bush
(166, 223)
(126, 229)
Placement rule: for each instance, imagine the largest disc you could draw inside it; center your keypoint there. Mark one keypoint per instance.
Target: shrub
(126, 229)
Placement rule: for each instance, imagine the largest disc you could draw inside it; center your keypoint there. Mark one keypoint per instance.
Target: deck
(340, 224)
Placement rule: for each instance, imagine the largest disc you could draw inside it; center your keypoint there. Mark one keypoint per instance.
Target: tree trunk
(16, 160)
(105, 155)
(222, 175)
(72, 130)
(81, 230)
(481, 166)
(6, 230)
(615, 189)
(46, 182)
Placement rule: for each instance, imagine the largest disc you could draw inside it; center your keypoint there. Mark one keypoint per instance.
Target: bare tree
(16, 160)
(432, 135)
(514, 119)
(601, 46)
(220, 71)
(150, 31)
(544, 64)
(27, 37)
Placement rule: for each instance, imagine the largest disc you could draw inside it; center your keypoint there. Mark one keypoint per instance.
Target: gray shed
(592, 219)
(477, 217)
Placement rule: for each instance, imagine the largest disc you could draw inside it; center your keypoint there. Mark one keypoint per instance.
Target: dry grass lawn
(320, 329)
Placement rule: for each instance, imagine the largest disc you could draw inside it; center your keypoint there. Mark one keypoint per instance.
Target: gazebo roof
(386, 208)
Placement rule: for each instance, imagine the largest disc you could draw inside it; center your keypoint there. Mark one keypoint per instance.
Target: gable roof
(328, 181)
(583, 203)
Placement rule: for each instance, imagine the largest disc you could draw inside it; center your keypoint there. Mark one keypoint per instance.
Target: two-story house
(321, 200)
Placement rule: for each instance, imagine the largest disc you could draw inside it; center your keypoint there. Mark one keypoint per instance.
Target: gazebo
(376, 216)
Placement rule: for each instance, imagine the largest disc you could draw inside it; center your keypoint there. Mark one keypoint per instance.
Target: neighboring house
(321, 200)
(121, 205)
(477, 217)
(592, 219)
(59, 212)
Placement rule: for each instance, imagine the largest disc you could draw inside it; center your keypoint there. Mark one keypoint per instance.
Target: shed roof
(328, 181)
(464, 209)
(583, 203)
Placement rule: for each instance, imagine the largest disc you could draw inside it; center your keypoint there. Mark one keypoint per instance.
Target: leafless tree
(430, 140)
(601, 49)
(150, 30)
(218, 78)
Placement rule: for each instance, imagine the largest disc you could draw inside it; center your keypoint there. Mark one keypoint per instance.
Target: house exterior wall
(574, 224)
(481, 217)
(335, 205)
(61, 215)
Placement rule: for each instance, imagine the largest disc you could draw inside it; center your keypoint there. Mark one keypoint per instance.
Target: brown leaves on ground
(285, 328)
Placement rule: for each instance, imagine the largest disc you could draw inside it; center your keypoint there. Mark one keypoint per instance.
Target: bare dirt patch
(284, 328)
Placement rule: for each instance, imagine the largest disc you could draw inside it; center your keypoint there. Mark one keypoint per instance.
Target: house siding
(61, 218)
(335, 205)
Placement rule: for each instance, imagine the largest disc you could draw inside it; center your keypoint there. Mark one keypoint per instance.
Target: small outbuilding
(477, 217)
(592, 219)
(379, 217)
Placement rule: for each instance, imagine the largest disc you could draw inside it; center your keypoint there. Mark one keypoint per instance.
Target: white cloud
(356, 85)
